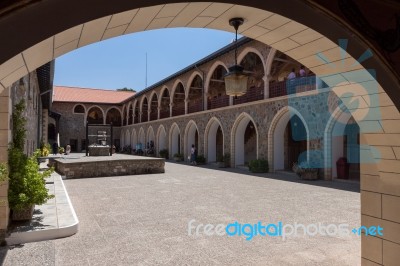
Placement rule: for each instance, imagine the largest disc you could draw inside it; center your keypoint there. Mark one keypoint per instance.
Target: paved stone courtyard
(143, 220)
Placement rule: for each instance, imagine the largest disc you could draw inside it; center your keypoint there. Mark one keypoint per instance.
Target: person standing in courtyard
(193, 153)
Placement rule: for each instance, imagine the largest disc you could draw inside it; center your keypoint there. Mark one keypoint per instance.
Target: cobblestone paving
(143, 220)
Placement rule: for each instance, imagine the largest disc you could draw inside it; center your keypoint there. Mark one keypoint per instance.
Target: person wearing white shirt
(292, 74)
(302, 72)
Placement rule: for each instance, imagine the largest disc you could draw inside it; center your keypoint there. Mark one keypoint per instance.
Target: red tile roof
(86, 95)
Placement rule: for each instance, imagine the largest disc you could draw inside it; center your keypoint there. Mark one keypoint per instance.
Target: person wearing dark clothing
(193, 153)
(55, 148)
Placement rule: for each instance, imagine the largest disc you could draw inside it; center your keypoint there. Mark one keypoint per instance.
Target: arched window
(165, 101)
(114, 116)
(253, 65)
(217, 97)
(95, 116)
(79, 109)
(179, 100)
(196, 95)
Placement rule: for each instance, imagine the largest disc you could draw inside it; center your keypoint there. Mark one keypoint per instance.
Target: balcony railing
(164, 114)
(195, 106)
(153, 116)
(218, 102)
(144, 117)
(252, 94)
(178, 110)
(291, 86)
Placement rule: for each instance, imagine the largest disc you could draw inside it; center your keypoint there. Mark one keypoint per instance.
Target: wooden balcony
(153, 116)
(218, 102)
(144, 117)
(195, 106)
(292, 86)
(164, 114)
(252, 94)
(178, 109)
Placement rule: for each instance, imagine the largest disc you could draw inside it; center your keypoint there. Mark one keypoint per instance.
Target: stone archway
(174, 140)
(142, 137)
(127, 139)
(336, 143)
(276, 138)
(301, 34)
(191, 138)
(134, 139)
(244, 131)
(214, 140)
(161, 139)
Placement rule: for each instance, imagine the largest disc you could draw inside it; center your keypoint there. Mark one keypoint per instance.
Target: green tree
(126, 89)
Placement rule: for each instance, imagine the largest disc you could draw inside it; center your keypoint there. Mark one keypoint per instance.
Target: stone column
(158, 112)
(171, 105)
(186, 106)
(266, 86)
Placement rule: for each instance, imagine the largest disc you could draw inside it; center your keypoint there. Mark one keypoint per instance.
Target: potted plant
(305, 171)
(27, 185)
(3, 172)
(200, 159)
(44, 152)
(220, 161)
(164, 153)
(178, 157)
(227, 160)
(45, 149)
(258, 166)
(61, 150)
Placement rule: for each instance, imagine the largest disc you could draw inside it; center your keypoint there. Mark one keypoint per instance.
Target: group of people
(292, 74)
(149, 149)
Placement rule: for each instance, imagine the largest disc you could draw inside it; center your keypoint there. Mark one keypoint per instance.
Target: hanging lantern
(236, 79)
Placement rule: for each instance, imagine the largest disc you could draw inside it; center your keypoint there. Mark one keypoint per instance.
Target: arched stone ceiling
(45, 29)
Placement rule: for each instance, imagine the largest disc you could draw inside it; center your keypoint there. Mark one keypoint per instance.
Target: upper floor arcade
(201, 86)
(196, 88)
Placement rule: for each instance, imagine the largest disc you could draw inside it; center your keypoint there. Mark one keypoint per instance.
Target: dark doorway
(295, 142)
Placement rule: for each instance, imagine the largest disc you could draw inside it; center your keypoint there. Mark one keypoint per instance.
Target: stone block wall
(5, 137)
(72, 125)
(26, 88)
(261, 113)
(105, 167)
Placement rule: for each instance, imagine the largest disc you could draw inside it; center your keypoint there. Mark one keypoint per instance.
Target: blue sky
(120, 62)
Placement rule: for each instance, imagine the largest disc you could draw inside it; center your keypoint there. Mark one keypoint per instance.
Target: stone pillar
(5, 138)
(171, 105)
(266, 86)
(45, 124)
(230, 100)
(186, 106)
(158, 112)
